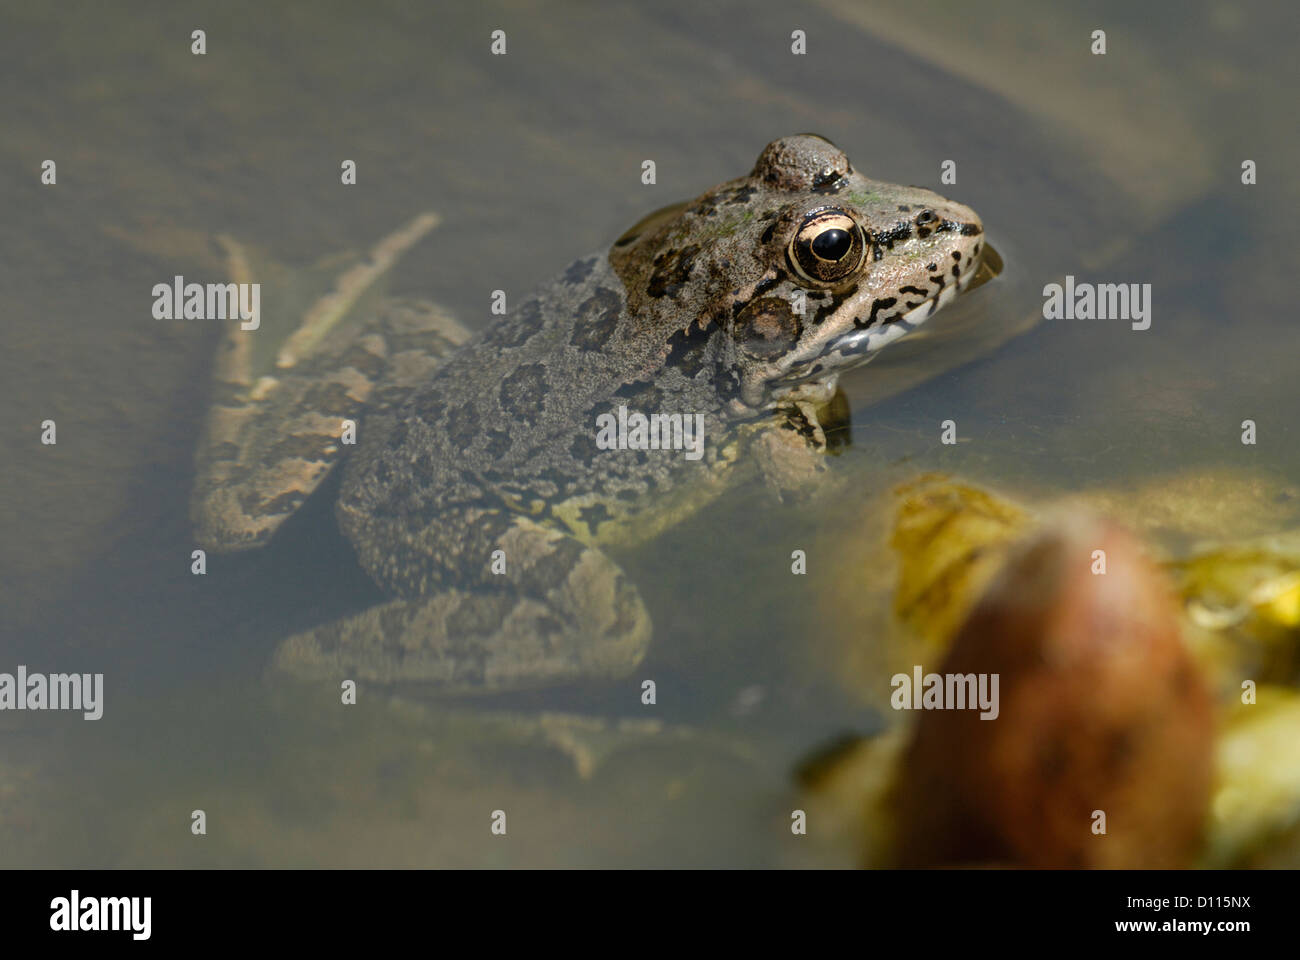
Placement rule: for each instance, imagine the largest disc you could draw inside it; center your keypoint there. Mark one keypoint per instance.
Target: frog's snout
(969, 258)
(955, 233)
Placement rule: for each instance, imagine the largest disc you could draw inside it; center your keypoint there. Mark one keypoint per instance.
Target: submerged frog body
(478, 497)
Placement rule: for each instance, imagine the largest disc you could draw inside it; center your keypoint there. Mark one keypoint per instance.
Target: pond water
(1123, 168)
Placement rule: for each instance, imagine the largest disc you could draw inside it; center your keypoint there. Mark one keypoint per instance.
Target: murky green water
(1123, 168)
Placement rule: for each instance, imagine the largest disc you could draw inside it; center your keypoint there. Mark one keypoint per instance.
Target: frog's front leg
(558, 611)
(791, 451)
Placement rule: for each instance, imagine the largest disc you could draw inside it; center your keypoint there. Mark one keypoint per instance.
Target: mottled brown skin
(1102, 708)
(690, 312)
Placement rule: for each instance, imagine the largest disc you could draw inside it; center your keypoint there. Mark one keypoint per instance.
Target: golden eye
(828, 247)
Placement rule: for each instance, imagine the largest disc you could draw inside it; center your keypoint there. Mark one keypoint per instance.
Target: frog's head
(807, 266)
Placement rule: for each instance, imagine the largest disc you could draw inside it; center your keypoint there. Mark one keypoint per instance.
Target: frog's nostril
(925, 216)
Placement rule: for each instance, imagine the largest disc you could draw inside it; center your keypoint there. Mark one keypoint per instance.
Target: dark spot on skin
(514, 331)
(688, 348)
(904, 208)
(970, 230)
(463, 426)
(956, 255)
(627, 238)
(559, 480)
(876, 252)
(768, 234)
(742, 195)
(475, 616)
(523, 393)
(766, 284)
(583, 448)
(671, 271)
(913, 303)
(827, 309)
(922, 232)
(899, 231)
(932, 266)
(977, 248)
(640, 393)
(956, 270)
(579, 270)
(597, 320)
(911, 289)
(594, 515)
(937, 280)
(498, 444)
(876, 307)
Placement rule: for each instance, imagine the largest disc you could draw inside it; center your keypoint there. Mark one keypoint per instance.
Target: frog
(478, 495)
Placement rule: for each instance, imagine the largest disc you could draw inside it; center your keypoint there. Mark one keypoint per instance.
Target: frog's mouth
(856, 347)
(870, 339)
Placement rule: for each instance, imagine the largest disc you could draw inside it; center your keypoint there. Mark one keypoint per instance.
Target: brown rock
(1100, 709)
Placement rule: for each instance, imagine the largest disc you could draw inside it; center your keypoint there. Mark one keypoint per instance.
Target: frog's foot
(792, 455)
(563, 612)
(276, 426)
(792, 467)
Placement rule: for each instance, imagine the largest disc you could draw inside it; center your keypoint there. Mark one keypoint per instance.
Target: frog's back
(514, 412)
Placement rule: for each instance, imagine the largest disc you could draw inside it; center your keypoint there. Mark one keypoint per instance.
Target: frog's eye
(828, 246)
